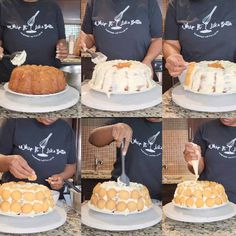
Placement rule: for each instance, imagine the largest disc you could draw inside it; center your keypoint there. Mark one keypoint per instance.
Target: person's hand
(61, 50)
(79, 46)
(122, 131)
(175, 64)
(191, 152)
(1, 53)
(19, 168)
(56, 181)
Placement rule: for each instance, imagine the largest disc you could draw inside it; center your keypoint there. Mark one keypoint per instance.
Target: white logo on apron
(118, 25)
(31, 29)
(207, 28)
(149, 148)
(42, 152)
(228, 151)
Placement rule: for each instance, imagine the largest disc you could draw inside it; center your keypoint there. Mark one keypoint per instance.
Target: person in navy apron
(36, 26)
(216, 142)
(199, 30)
(143, 150)
(125, 29)
(40, 147)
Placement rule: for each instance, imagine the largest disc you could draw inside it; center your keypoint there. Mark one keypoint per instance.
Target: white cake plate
(13, 225)
(203, 103)
(26, 104)
(199, 216)
(121, 102)
(109, 222)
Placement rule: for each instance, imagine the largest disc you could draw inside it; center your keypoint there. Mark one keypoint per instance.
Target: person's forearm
(4, 163)
(200, 167)
(101, 136)
(170, 48)
(154, 50)
(69, 171)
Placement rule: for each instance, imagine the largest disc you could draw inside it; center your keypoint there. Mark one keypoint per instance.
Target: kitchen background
(97, 163)
(176, 132)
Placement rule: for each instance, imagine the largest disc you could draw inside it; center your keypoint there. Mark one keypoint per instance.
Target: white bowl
(55, 195)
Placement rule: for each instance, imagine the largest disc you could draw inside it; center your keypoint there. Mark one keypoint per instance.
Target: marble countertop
(220, 228)
(73, 112)
(155, 111)
(171, 110)
(71, 227)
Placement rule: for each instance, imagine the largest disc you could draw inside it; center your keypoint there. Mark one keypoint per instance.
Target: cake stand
(103, 221)
(121, 102)
(198, 215)
(26, 225)
(203, 103)
(31, 104)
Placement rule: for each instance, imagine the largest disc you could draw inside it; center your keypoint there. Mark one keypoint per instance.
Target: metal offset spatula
(97, 57)
(123, 178)
(11, 56)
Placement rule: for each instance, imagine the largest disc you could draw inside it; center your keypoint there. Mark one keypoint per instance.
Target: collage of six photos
(117, 117)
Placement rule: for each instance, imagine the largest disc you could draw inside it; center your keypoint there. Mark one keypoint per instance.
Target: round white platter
(203, 103)
(13, 225)
(26, 104)
(109, 222)
(121, 102)
(199, 216)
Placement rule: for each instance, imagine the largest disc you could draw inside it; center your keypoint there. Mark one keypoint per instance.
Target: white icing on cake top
(19, 59)
(210, 80)
(120, 76)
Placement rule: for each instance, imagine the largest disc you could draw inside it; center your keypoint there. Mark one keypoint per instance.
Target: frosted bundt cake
(31, 79)
(199, 194)
(25, 199)
(211, 77)
(113, 197)
(119, 76)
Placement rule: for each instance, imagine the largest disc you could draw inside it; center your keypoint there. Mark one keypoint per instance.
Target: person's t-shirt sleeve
(7, 136)
(1, 28)
(199, 140)
(171, 25)
(87, 26)
(155, 19)
(72, 150)
(60, 24)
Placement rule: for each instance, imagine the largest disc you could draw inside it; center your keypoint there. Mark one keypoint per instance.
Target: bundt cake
(211, 77)
(199, 194)
(120, 76)
(37, 80)
(112, 197)
(21, 198)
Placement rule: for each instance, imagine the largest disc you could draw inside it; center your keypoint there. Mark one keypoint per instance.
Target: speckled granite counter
(151, 231)
(171, 110)
(221, 228)
(73, 112)
(149, 112)
(71, 227)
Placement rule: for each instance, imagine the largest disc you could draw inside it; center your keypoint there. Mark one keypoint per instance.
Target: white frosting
(24, 188)
(209, 80)
(19, 59)
(109, 79)
(193, 186)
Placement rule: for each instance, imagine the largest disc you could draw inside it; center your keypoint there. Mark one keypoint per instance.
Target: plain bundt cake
(32, 79)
